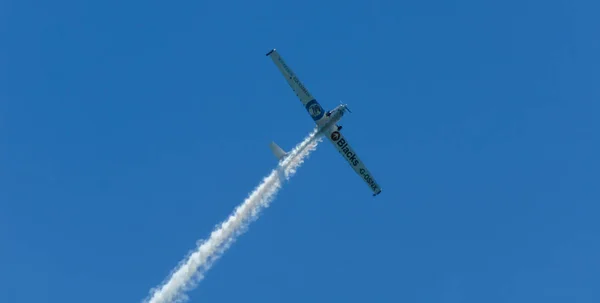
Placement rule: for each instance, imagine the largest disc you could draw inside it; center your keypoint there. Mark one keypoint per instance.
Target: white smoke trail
(191, 270)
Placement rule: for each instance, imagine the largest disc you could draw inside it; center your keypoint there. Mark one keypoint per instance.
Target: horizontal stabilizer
(277, 151)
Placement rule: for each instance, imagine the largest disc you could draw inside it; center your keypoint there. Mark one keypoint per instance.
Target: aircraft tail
(277, 151)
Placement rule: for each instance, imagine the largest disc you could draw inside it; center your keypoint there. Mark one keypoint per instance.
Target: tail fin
(277, 151)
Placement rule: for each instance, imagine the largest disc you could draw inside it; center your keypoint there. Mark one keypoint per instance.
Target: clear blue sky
(130, 129)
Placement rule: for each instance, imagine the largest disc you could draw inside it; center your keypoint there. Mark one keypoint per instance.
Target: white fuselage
(332, 117)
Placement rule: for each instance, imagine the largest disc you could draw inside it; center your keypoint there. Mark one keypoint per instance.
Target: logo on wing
(335, 136)
(315, 110)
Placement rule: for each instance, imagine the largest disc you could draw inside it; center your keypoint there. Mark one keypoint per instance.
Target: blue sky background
(130, 129)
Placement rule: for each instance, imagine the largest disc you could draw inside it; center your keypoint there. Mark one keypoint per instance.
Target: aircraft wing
(341, 144)
(315, 110)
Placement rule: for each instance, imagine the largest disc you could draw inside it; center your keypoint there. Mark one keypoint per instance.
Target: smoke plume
(190, 271)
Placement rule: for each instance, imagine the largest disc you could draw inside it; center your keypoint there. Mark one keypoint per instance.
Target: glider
(326, 122)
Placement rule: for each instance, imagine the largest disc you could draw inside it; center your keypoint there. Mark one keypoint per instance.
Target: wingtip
(271, 51)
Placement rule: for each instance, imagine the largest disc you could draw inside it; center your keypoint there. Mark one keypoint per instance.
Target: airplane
(326, 122)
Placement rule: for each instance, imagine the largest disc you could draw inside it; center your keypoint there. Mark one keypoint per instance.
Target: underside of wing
(343, 147)
(315, 110)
